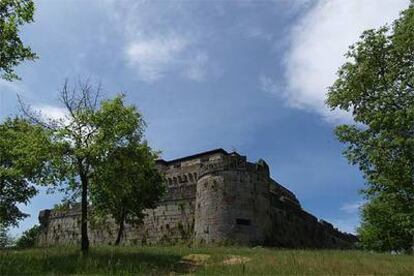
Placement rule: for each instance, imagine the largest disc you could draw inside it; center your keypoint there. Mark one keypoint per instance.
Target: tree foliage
(376, 85)
(29, 238)
(90, 131)
(5, 239)
(126, 183)
(13, 14)
(380, 227)
(23, 154)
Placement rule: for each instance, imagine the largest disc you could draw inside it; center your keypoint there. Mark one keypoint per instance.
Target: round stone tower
(233, 202)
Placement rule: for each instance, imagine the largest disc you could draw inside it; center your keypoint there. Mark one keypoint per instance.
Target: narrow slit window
(241, 221)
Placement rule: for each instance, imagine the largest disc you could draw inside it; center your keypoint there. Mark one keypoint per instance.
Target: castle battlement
(212, 197)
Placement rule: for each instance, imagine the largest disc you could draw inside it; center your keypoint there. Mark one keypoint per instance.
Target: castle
(214, 197)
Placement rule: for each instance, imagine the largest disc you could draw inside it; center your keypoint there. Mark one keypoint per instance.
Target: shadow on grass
(96, 262)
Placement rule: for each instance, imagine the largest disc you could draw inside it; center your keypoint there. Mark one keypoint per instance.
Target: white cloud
(352, 208)
(269, 85)
(348, 225)
(52, 112)
(318, 44)
(160, 39)
(154, 56)
(349, 220)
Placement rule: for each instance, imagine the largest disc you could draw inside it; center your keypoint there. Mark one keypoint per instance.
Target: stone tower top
(194, 156)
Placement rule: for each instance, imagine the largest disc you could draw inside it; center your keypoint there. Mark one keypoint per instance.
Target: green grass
(214, 261)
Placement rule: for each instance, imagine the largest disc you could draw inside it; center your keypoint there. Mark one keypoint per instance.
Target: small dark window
(178, 165)
(243, 221)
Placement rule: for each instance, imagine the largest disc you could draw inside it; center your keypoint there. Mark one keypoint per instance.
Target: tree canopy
(125, 184)
(13, 14)
(376, 85)
(23, 153)
(91, 130)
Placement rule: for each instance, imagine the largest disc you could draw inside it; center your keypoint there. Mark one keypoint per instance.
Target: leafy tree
(23, 153)
(83, 139)
(380, 217)
(28, 238)
(376, 85)
(5, 239)
(13, 14)
(126, 183)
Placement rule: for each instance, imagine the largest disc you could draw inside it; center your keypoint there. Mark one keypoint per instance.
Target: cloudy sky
(244, 75)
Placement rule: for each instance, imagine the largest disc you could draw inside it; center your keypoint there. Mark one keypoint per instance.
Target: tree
(29, 238)
(376, 85)
(5, 239)
(126, 183)
(380, 227)
(83, 139)
(23, 154)
(13, 14)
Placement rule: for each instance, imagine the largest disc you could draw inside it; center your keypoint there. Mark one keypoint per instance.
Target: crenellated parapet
(233, 162)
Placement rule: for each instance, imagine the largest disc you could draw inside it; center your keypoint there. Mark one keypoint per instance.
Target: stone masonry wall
(212, 197)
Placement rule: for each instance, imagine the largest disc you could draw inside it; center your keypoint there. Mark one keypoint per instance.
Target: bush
(28, 238)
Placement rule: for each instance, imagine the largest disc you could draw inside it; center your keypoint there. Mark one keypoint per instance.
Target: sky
(243, 75)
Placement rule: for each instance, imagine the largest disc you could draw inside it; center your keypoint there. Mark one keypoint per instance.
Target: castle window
(241, 221)
(190, 177)
(175, 180)
(178, 165)
(195, 176)
(169, 181)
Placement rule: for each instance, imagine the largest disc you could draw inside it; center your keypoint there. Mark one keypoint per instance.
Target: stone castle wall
(212, 197)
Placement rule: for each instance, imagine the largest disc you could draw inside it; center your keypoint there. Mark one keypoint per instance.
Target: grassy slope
(168, 260)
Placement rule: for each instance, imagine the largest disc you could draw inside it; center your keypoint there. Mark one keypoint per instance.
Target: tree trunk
(84, 205)
(120, 231)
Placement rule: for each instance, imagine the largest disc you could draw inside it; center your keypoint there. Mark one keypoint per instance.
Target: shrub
(28, 238)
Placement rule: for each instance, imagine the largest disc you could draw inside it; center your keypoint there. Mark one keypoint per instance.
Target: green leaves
(13, 14)
(127, 182)
(23, 156)
(29, 238)
(376, 85)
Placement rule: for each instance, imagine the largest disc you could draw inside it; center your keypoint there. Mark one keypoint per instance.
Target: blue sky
(244, 75)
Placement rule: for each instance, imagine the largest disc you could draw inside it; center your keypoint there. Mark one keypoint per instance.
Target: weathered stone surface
(212, 197)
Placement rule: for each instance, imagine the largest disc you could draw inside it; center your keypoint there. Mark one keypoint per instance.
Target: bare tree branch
(34, 116)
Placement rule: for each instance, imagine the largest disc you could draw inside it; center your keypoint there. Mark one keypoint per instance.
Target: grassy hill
(203, 261)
